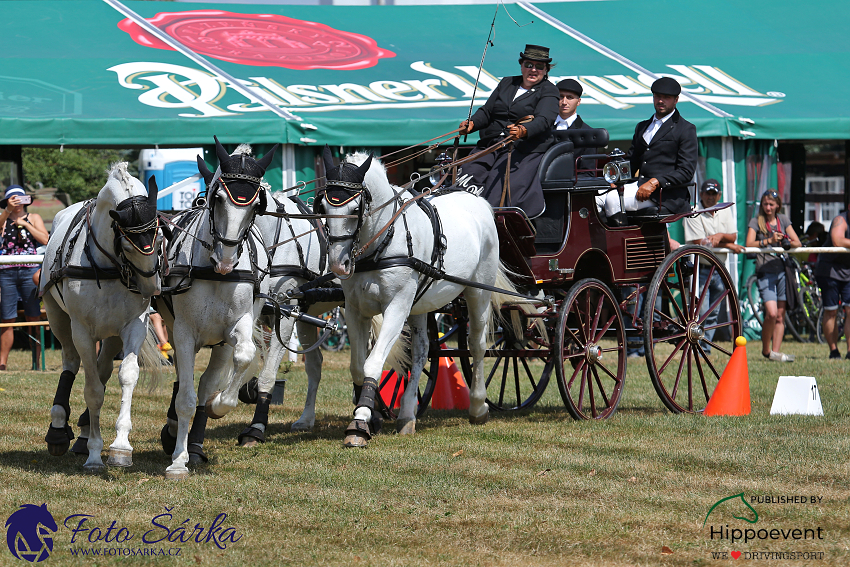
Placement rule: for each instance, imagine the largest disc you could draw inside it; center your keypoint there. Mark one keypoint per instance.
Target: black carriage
(597, 288)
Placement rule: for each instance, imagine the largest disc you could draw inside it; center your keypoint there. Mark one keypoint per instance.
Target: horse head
(234, 197)
(345, 194)
(138, 240)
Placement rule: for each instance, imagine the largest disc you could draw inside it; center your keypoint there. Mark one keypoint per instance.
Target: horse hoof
(197, 455)
(251, 436)
(81, 447)
(120, 458)
(58, 440)
(406, 428)
(59, 449)
(357, 434)
(481, 419)
(94, 468)
(168, 441)
(299, 427)
(209, 405)
(177, 474)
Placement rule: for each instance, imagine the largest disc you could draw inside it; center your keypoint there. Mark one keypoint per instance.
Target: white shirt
(706, 224)
(520, 91)
(654, 126)
(564, 123)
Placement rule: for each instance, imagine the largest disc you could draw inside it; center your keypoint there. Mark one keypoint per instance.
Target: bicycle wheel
(755, 298)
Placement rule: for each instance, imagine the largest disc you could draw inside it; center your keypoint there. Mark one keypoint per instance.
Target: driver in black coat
(529, 94)
(664, 154)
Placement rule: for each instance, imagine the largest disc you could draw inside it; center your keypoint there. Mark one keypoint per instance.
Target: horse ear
(152, 190)
(267, 159)
(205, 171)
(220, 151)
(361, 171)
(115, 215)
(328, 158)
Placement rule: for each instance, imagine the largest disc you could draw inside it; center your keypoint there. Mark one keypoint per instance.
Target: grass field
(528, 488)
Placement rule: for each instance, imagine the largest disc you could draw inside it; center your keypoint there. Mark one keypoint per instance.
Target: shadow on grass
(146, 462)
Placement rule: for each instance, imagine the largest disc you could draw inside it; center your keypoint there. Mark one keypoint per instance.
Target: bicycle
(808, 311)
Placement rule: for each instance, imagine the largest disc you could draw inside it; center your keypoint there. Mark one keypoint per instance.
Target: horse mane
(377, 174)
(243, 149)
(119, 174)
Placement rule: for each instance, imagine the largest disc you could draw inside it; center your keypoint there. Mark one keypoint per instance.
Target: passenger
(769, 229)
(530, 94)
(569, 98)
(664, 152)
(712, 230)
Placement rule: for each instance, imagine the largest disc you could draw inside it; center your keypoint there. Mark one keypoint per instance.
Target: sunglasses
(771, 193)
(532, 65)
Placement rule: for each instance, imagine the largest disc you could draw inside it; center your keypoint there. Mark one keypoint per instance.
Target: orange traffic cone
(732, 394)
(389, 387)
(450, 390)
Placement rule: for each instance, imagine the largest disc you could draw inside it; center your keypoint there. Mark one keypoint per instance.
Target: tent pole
(727, 152)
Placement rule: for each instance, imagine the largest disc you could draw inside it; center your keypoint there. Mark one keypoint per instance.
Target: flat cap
(570, 85)
(667, 86)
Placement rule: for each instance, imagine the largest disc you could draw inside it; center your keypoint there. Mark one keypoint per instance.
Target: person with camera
(713, 230)
(23, 232)
(769, 229)
(833, 276)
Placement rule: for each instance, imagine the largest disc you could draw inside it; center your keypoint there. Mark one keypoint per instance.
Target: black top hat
(666, 86)
(570, 85)
(536, 53)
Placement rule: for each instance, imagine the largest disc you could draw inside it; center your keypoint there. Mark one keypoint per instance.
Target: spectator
(161, 334)
(713, 230)
(771, 228)
(833, 275)
(22, 234)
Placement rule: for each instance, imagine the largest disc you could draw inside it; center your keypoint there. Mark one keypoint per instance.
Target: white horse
(100, 269)
(385, 281)
(221, 256)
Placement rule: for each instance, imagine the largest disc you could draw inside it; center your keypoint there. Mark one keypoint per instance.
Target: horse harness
(124, 269)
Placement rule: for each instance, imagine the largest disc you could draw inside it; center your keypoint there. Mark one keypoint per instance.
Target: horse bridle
(221, 182)
(353, 190)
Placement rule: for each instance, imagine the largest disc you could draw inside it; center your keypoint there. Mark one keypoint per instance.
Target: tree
(80, 173)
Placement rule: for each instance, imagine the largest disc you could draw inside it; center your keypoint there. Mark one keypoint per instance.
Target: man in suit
(530, 94)
(664, 153)
(569, 91)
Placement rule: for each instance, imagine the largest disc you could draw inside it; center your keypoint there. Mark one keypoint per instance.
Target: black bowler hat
(536, 53)
(570, 85)
(667, 86)
(711, 185)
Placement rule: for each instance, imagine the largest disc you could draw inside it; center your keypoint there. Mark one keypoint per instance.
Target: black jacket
(578, 124)
(671, 157)
(501, 110)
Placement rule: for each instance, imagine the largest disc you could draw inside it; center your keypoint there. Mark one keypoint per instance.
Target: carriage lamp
(436, 173)
(618, 169)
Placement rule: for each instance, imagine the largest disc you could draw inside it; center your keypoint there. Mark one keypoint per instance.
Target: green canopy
(91, 73)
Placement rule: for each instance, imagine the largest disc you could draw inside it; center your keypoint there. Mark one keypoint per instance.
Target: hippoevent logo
(29, 533)
(740, 507)
(30, 529)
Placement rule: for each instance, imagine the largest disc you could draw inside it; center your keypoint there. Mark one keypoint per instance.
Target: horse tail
(399, 358)
(150, 361)
(262, 338)
(523, 306)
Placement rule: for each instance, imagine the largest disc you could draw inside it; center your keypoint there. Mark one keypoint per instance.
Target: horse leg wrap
(261, 417)
(63, 392)
(366, 399)
(249, 391)
(84, 419)
(58, 439)
(196, 436)
(172, 411)
(81, 445)
(356, 395)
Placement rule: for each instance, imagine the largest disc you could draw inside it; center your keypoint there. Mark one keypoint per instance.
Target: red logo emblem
(266, 40)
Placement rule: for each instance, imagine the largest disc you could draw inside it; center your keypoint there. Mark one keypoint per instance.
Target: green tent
(169, 74)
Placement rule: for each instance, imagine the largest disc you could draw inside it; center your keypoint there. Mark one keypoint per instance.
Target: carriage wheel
(683, 374)
(591, 347)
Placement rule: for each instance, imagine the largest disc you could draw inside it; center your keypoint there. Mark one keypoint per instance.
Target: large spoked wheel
(591, 351)
(676, 335)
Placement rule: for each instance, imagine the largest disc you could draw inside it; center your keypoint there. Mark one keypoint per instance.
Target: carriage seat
(557, 168)
(516, 231)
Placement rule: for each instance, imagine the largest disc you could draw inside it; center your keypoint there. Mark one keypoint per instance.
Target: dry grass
(530, 488)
